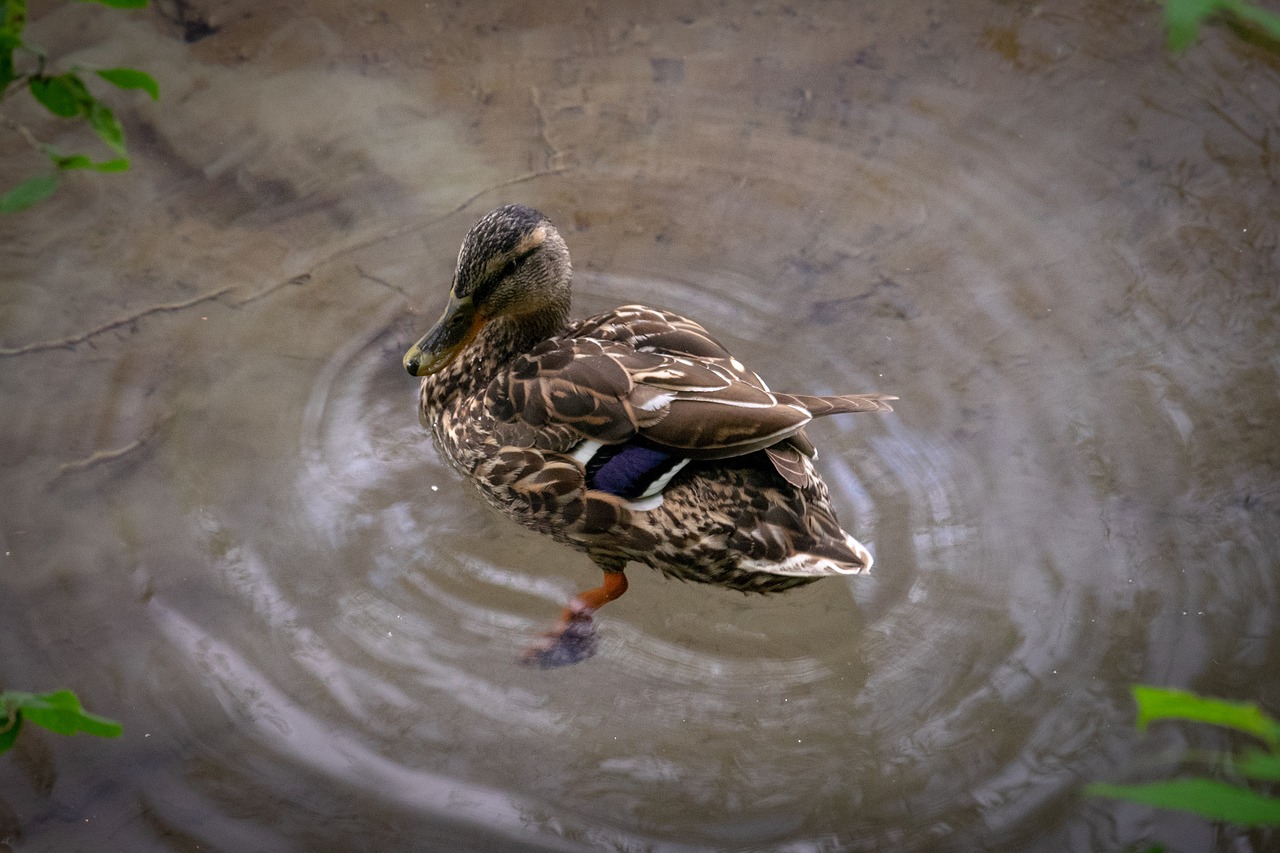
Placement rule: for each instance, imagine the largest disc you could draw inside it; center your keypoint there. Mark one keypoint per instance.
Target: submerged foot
(574, 637)
(571, 643)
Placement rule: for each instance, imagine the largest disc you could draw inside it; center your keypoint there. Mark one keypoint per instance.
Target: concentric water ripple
(967, 616)
(993, 601)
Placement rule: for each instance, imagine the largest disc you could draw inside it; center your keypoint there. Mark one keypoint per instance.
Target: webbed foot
(573, 642)
(574, 638)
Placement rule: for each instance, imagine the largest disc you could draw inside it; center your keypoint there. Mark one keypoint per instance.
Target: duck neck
(512, 336)
(499, 343)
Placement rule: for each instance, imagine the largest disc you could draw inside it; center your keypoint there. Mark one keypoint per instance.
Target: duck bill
(456, 328)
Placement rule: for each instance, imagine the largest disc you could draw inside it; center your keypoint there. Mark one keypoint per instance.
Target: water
(225, 527)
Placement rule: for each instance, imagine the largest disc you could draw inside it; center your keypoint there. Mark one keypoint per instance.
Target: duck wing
(638, 372)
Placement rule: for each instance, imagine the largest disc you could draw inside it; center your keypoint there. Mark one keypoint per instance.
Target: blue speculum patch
(627, 470)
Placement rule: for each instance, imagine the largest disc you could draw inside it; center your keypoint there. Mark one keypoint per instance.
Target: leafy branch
(1240, 804)
(59, 712)
(25, 65)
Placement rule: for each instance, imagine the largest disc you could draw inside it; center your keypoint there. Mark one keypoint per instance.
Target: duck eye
(511, 267)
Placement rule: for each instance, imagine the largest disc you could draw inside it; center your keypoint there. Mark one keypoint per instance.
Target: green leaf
(73, 161)
(14, 17)
(60, 712)
(1267, 20)
(59, 95)
(9, 728)
(1182, 18)
(120, 4)
(9, 735)
(68, 161)
(28, 192)
(107, 127)
(117, 164)
(131, 78)
(7, 73)
(1260, 765)
(81, 161)
(1159, 703)
(1206, 797)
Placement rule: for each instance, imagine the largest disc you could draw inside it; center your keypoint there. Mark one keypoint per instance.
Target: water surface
(225, 527)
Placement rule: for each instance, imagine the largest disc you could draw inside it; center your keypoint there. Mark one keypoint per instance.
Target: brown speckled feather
(640, 372)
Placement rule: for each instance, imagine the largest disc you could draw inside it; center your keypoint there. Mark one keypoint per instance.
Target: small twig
(303, 278)
(21, 130)
(373, 278)
(511, 182)
(73, 340)
(414, 226)
(254, 297)
(99, 457)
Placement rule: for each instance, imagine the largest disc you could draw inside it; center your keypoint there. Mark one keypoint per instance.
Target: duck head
(513, 266)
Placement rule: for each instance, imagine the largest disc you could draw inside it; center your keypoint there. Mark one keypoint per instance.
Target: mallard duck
(632, 435)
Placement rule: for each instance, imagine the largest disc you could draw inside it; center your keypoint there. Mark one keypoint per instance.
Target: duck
(633, 435)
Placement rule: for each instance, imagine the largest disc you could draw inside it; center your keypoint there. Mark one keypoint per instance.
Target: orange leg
(586, 603)
(573, 637)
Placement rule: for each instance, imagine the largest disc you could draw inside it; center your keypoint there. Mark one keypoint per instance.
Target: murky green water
(224, 526)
